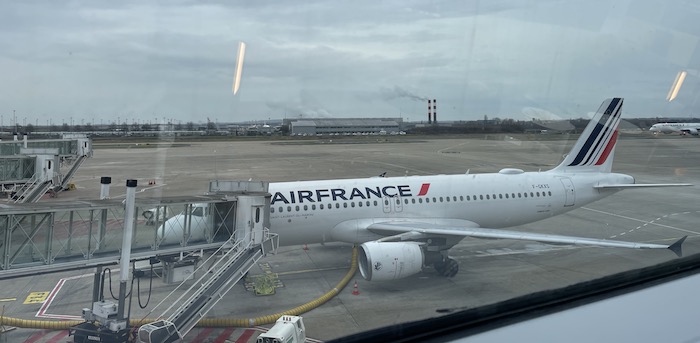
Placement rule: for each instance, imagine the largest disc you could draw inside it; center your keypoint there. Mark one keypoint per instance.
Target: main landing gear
(448, 267)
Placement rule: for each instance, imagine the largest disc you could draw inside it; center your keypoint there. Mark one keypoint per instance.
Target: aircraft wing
(405, 230)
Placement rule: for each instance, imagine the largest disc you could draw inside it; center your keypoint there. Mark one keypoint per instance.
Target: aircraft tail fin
(594, 150)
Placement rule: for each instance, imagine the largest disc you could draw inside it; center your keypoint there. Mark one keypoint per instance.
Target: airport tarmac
(490, 270)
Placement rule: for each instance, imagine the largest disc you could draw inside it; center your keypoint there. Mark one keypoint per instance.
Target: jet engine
(692, 131)
(381, 261)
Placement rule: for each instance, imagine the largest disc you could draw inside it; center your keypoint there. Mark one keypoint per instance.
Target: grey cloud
(324, 58)
(398, 92)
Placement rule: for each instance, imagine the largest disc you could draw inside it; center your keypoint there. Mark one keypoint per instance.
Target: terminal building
(343, 126)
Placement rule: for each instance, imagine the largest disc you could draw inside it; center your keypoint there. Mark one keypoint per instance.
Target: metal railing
(217, 279)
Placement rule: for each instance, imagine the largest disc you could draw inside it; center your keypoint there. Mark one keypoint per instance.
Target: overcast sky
(96, 61)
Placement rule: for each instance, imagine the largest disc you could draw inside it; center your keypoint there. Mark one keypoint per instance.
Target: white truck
(287, 329)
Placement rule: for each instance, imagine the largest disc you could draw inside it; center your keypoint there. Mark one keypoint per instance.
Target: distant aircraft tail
(594, 150)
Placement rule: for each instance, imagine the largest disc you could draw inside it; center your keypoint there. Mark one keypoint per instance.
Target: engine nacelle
(692, 131)
(390, 260)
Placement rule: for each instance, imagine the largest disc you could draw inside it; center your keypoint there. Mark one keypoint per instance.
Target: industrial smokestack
(429, 117)
(434, 111)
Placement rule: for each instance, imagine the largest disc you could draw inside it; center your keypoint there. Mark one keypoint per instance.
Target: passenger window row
(420, 200)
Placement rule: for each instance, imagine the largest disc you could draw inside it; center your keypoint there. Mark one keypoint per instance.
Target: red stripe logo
(608, 149)
(424, 189)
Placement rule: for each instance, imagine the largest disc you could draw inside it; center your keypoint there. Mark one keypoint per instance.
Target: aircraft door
(398, 205)
(48, 170)
(569, 192)
(386, 204)
(392, 204)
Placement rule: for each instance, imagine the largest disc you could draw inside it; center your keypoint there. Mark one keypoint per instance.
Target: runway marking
(396, 166)
(35, 337)
(56, 336)
(221, 338)
(45, 307)
(149, 188)
(123, 195)
(36, 298)
(8, 299)
(245, 337)
(451, 147)
(645, 222)
(202, 335)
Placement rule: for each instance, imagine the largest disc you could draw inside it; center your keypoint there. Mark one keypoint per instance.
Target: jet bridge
(30, 168)
(37, 238)
(45, 237)
(251, 241)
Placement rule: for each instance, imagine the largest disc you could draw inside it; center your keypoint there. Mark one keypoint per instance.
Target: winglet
(677, 248)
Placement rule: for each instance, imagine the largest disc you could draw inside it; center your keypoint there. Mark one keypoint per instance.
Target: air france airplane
(405, 224)
(682, 128)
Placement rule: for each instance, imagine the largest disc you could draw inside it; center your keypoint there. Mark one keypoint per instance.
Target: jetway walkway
(232, 223)
(38, 238)
(30, 168)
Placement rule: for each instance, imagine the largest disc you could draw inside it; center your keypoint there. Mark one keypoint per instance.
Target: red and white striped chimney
(430, 120)
(434, 111)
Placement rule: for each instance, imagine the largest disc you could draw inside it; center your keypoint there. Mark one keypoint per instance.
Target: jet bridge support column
(104, 187)
(105, 181)
(106, 321)
(126, 246)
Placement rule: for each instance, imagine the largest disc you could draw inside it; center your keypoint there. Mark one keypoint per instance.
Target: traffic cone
(355, 289)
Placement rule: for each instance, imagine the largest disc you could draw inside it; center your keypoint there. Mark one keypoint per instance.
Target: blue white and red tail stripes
(594, 150)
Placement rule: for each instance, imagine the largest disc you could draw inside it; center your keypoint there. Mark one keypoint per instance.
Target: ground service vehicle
(287, 329)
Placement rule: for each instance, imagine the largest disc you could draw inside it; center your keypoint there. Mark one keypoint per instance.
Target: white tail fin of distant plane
(594, 150)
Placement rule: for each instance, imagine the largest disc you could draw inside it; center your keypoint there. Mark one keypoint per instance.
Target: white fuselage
(340, 210)
(691, 128)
